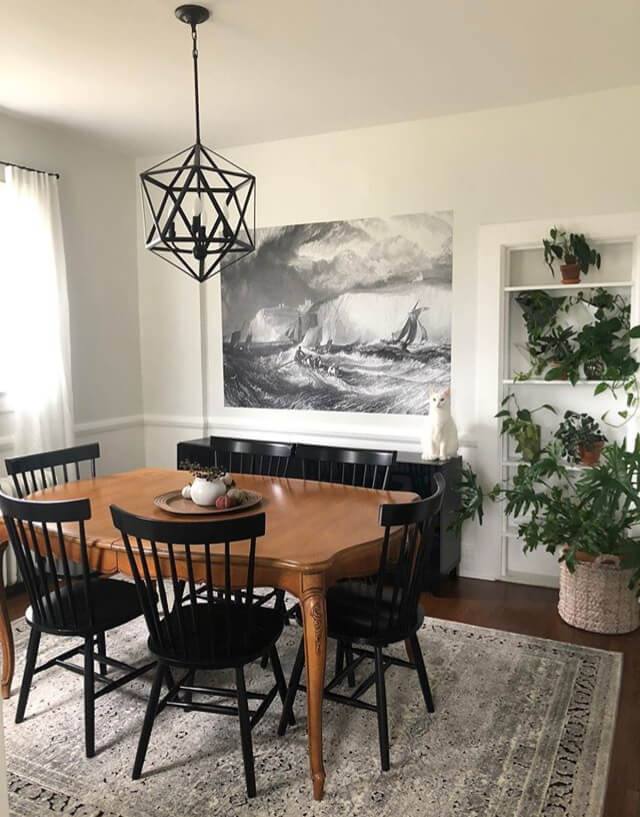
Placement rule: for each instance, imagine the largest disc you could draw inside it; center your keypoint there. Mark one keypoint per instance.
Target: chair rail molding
(284, 430)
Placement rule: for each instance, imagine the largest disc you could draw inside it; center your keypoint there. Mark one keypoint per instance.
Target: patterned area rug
(523, 727)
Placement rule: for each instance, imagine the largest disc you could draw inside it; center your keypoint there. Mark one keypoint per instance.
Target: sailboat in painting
(413, 328)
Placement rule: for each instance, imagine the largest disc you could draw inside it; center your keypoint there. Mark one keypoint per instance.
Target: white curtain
(33, 294)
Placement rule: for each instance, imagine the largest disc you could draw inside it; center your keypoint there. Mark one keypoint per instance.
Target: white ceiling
(276, 68)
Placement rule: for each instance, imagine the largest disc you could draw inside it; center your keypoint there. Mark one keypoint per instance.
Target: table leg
(409, 649)
(315, 649)
(6, 635)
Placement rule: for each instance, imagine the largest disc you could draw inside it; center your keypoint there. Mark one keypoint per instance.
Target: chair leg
(190, 680)
(339, 657)
(101, 644)
(89, 699)
(281, 605)
(296, 672)
(351, 678)
(381, 705)
(149, 716)
(27, 677)
(422, 673)
(168, 677)
(278, 674)
(245, 733)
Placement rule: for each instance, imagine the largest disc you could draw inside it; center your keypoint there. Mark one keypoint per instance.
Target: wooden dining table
(316, 534)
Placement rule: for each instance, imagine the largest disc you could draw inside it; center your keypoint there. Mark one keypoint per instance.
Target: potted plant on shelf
(539, 311)
(521, 428)
(581, 440)
(590, 521)
(604, 348)
(557, 350)
(574, 250)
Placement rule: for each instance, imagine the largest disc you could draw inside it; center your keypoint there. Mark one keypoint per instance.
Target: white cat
(439, 435)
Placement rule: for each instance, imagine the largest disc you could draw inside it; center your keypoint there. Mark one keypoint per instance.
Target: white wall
(98, 202)
(549, 160)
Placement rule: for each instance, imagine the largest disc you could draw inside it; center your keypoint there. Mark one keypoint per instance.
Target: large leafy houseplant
(596, 513)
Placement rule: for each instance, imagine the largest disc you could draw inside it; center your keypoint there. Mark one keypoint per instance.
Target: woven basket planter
(596, 597)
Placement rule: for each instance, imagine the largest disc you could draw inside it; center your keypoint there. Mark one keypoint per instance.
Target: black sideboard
(409, 473)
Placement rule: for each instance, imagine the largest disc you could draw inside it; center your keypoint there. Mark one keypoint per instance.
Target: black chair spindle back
(251, 456)
(363, 467)
(34, 528)
(176, 550)
(407, 533)
(33, 472)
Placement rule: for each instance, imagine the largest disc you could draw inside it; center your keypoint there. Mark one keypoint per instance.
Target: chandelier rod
(194, 37)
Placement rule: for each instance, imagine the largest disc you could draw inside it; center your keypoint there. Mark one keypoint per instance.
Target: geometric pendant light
(198, 207)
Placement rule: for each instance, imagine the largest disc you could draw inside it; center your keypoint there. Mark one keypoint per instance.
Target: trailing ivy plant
(600, 350)
(521, 427)
(608, 340)
(570, 248)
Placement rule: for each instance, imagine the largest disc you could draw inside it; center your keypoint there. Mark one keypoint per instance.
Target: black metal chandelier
(198, 207)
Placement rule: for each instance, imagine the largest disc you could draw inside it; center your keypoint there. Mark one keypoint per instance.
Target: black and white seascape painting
(341, 316)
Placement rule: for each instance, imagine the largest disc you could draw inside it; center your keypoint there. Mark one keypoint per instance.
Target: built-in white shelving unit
(511, 261)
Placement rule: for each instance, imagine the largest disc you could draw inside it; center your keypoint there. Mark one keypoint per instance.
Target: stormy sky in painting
(316, 261)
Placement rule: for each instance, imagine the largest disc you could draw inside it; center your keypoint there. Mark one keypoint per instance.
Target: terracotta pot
(556, 364)
(591, 456)
(570, 273)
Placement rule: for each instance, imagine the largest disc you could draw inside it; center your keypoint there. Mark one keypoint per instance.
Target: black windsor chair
(191, 631)
(83, 606)
(368, 617)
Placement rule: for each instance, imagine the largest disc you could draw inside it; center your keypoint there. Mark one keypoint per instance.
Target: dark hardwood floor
(532, 611)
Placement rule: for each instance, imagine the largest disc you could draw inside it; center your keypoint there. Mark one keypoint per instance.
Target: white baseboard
(535, 579)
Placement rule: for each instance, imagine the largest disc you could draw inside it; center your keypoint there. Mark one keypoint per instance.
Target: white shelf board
(568, 287)
(516, 463)
(511, 382)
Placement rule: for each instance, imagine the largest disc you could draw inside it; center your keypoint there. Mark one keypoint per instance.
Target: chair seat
(215, 636)
(114, 602)
(351, 614)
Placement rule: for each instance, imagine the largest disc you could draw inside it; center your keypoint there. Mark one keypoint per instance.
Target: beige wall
(98, 200)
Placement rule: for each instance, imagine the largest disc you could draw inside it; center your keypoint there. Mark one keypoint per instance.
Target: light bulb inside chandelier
(198, 207)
